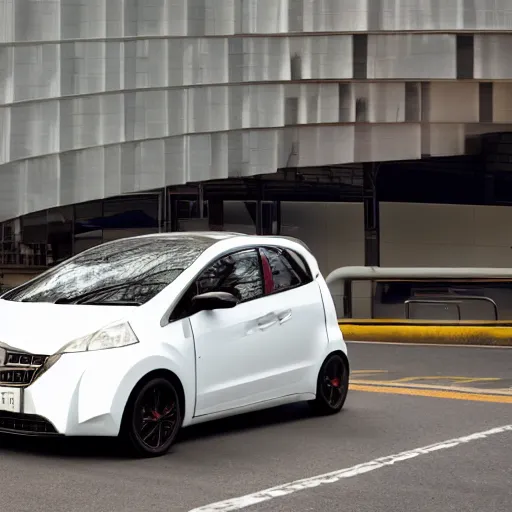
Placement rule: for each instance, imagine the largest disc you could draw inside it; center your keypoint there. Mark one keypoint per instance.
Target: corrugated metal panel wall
(102, 97)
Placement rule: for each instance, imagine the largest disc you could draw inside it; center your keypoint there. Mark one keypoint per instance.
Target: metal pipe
(346, 275)
(390, 273)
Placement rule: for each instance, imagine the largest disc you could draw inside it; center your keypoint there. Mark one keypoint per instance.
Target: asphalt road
(239, 457)
(486, 368)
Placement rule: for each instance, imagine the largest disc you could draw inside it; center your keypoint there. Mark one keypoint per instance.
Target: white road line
(331, 478)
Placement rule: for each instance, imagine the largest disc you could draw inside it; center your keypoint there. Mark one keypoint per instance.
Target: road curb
(497, 335)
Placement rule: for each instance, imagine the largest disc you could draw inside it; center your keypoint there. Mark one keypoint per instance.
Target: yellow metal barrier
(497, 333)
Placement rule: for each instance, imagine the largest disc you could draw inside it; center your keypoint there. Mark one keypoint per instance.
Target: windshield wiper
(93, 302)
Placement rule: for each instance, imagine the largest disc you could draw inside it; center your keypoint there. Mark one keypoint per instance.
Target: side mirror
(213, 300)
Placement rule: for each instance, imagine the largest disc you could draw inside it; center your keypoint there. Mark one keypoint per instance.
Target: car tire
(152, 419)
(332, 386)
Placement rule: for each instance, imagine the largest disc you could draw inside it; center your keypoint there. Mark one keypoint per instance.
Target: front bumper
(26, 424)
(81, 394)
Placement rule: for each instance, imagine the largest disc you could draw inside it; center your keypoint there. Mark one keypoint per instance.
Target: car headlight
(111, 336)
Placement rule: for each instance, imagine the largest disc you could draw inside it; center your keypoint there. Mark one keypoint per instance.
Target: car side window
(300, 266)
(238, 273)
(284, 274)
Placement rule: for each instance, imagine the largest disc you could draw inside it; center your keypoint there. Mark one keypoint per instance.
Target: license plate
(10, 399)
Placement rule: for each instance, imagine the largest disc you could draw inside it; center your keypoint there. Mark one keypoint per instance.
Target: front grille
(25, 424)
(20, 376)
(20, 369)
(19, 359)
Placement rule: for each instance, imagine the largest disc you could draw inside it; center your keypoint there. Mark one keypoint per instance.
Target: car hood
(43, 328)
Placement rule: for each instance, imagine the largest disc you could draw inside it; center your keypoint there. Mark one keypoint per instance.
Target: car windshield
(128, 271)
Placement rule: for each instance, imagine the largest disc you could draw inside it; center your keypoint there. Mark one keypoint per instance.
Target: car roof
(218, 242)
(210, 235)
(214, 238)
(217, 236)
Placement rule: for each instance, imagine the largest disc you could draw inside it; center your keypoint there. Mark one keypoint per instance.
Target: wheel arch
(318, 404)
(158, 373)
(342, 355)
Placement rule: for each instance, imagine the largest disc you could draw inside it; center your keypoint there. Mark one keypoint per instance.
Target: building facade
(113, 111)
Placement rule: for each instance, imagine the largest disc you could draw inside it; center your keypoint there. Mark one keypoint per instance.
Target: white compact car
(139, 337)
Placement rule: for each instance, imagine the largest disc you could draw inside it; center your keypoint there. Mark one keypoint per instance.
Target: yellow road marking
(433, 393)
(458, 380)
(451, 387)
(467, 381)
(369, 371)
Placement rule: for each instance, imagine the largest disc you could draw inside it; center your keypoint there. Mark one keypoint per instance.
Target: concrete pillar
(371, 216)
(215, 214)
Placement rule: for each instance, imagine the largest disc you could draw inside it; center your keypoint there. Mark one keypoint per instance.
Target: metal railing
(343, 278)
(430, 301)
(455, 300)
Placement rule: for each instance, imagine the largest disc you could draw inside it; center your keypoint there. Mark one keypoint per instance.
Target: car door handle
(285, 316)
(266, 322)
(266, 325)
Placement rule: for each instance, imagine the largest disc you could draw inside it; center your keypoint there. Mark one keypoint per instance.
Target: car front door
(302, 337)
(235, 348)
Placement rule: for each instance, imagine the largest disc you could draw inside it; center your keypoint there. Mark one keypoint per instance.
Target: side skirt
(267, 404)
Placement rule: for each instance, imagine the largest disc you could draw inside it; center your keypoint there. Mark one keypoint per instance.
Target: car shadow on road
(76, 447)
(266, 418)
(110, 449)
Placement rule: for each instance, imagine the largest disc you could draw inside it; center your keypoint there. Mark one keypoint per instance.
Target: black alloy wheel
(153, 418)
(332, 386)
